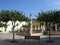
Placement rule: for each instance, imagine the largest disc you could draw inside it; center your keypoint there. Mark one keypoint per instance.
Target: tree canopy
(6, 15)
(49, 16)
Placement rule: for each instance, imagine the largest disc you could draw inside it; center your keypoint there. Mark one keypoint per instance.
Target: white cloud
(56, 2)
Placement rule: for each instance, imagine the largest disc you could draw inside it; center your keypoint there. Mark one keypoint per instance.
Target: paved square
(7, 37)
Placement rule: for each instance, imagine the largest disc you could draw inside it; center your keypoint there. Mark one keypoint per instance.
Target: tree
(48, 18)
(17, 16)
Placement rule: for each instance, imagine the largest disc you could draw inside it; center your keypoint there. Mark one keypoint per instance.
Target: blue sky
(30, 6)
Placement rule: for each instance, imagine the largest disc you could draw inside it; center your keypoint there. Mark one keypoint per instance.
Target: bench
(32, 37)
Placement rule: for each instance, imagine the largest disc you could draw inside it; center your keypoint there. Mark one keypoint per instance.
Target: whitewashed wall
(9, 26)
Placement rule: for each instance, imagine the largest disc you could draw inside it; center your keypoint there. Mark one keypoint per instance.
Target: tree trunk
(13, 32)
(49, 31)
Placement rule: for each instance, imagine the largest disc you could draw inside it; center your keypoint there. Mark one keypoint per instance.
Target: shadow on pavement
(21, 42)
(31, 41)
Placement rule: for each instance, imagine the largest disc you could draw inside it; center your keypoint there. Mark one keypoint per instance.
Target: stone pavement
(5, 39)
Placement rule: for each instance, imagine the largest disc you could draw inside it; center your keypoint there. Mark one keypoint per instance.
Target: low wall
(53, 32)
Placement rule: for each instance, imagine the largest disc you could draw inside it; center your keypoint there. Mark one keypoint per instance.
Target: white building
(18, 25)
